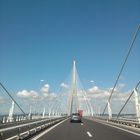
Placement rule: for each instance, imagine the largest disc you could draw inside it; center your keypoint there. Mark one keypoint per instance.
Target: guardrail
(127, 122)
(123, 121)
(27, 130)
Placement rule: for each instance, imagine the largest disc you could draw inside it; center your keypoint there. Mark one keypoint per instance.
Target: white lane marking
(134, 133)
(14, 137)
(45, 132)
(82, 124)
(89, 134)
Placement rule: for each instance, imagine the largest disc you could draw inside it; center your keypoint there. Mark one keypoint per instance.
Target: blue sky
(40, 40)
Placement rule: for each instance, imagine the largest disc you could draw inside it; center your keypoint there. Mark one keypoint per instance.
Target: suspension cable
(121, 70)
(8, 93)
(127, 100)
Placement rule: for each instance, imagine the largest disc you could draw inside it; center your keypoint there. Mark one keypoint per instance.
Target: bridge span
(119, 123)
(89, 129)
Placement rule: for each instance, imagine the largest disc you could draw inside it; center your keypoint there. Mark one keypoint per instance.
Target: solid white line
(89, 134)
(134, 133)
(45, 132)
(14, 137)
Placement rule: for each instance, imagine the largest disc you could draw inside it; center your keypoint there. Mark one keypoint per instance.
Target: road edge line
(128, 131)
(51, 128)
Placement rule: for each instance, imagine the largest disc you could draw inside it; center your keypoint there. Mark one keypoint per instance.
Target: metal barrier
(128, 122)
(27, 130)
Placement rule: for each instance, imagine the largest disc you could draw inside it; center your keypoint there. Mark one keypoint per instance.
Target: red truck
(80, 112)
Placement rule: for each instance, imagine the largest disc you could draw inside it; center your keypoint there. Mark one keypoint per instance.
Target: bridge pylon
(73, 95)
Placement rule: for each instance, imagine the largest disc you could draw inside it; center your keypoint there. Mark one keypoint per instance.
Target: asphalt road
(88, 130)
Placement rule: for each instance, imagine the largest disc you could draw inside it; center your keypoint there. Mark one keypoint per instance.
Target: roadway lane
(105, 132)
(89, 130)
(67, 131)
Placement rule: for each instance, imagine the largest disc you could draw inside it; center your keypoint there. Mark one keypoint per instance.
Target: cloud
(45, 89)
(46, 92)
(120, 86)
(33, 95)
(51, 96)
(96, 92)
(1, 100)
(64, 85)
(94, 89)
(24, 94)
(98, 98)
(121, 97)
(91, 81)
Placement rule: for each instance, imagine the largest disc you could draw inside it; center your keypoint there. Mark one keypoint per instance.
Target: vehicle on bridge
(80, 112)
(76, 117)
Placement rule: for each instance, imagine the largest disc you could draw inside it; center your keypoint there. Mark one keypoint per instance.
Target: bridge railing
(23, 118)
(128, 122)
(123, 121)
(29, 129)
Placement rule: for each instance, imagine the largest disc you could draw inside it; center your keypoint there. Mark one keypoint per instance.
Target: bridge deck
(88, 130)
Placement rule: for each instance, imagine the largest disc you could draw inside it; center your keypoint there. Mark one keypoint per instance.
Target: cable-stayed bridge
(120, 120)
(106, 114)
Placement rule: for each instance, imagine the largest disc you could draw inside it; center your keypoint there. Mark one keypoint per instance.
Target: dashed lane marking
(89, 134)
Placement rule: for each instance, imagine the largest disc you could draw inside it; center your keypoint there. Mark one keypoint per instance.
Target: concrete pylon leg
(49, 113)
(17, 119)
(43, 115)
(30, 112)
(99, 111)
(109, 111)
(137, 105)
(4, 120)
(11, 112)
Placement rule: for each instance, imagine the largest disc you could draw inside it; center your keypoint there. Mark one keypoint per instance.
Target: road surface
(88, 130)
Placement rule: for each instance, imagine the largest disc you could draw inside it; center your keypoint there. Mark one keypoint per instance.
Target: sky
(40, 39)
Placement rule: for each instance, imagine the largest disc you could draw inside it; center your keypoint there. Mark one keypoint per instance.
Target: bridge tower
(73, 95)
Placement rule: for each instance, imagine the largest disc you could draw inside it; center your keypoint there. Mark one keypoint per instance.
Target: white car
(75, 117)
